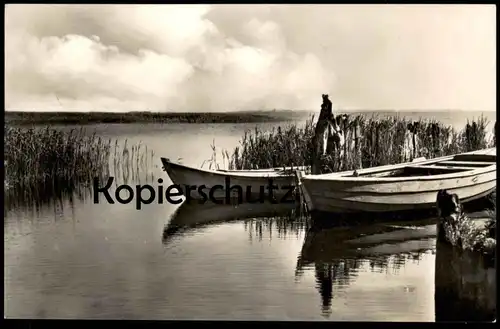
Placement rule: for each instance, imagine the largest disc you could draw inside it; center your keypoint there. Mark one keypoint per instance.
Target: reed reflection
(35, 199)
(283, 225)
(57, 194)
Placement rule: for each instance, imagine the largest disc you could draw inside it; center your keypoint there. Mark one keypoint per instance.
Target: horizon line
(243, 111)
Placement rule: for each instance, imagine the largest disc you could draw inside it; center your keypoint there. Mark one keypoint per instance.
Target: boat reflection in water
(338, 253)
(193, 216)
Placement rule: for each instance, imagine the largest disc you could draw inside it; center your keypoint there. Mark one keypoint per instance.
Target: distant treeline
(29, 118)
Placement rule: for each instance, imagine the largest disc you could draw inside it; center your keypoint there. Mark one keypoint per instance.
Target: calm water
(72, 258)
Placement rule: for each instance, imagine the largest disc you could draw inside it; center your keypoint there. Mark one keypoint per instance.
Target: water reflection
(39, 201)
(465, 285)
(257, 217)
(285, 226)
(34, 197)
(337, 255)
(57, 194)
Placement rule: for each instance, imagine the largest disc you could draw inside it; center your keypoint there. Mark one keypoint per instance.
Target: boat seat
(440, 168)
(476, 157)
(466, 163)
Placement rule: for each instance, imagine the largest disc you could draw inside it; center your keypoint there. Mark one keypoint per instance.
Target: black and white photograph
(250, 162)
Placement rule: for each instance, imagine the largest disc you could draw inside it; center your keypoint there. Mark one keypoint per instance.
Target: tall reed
(43, 160)
(380, 141)
(287, 146)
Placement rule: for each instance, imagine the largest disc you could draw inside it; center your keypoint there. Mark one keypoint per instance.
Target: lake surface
(71, 258)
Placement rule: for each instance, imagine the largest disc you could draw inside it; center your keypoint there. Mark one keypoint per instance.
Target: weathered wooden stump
(320, 139)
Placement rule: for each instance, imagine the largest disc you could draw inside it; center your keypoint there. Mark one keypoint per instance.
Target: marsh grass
(43, 163)
(40, 156)
(212, 163)
(287, 146)
(381, 141)
(474, 136)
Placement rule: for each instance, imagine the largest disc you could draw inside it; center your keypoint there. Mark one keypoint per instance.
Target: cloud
(228, 57)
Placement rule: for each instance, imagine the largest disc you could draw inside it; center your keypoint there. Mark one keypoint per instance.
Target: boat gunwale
(346, 179)
(346, 176)
(261, 173)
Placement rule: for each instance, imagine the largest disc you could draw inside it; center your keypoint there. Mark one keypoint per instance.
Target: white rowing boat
(406, 186)
(220, 181)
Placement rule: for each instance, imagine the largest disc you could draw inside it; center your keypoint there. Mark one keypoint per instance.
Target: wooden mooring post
(303, 199)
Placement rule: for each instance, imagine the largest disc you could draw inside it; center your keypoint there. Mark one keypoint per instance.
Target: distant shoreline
(23, 118)
(82, 118)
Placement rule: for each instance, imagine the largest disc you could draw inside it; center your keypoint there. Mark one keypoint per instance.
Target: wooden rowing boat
(407, 186)
(217, 180)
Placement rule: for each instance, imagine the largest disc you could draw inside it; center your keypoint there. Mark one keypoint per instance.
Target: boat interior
(458, 163)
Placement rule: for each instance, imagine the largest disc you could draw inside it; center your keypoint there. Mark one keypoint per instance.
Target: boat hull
(249, 186)
(345, 202)
(343, 194)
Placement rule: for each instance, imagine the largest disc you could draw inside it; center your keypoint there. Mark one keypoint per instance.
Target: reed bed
(369, 142)
(288, 146)
(44, 161)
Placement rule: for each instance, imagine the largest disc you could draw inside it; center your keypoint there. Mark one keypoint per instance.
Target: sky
(249, 57)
